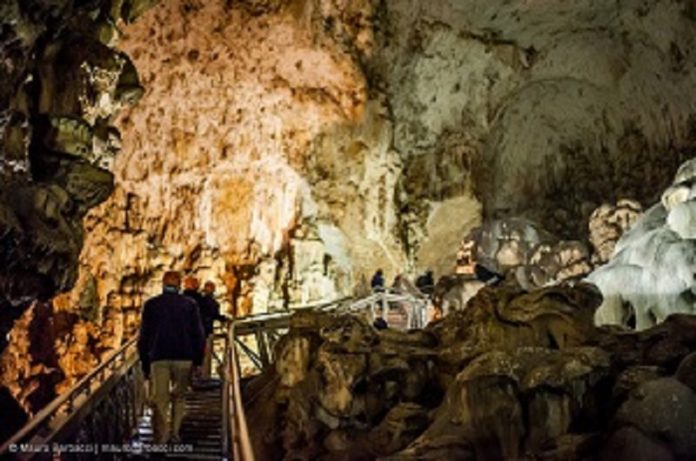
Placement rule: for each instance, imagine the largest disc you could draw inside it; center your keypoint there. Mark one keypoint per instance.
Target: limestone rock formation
(219, 175)
(484, 409)
(63, 81)
(406, 109)
(514, 376)
(608, 223)
(507, 318)
(557, 107)
(515, 249)
(285, 150)
(663, 409)
(527, 252)
(651, 273)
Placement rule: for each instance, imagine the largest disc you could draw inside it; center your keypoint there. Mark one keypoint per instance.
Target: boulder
(686, 372)
(663, 409)
(631, 443)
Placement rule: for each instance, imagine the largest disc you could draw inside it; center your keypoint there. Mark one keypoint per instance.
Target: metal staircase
(104, 416)
(201, 430)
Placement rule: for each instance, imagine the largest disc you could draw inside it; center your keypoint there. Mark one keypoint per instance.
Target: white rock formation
(652, 271)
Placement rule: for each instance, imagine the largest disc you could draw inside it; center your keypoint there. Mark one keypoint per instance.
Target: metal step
(201, 427)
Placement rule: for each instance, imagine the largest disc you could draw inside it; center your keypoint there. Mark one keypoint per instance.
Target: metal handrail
(84, 386)
(236, 441)
(323, 306)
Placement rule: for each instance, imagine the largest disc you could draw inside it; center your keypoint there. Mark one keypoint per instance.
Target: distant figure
(486, 275)
(210, 311)
(398, 284)
(377, 283)
(379, 322)
(191, 285)
(425, 283)
(170, 343)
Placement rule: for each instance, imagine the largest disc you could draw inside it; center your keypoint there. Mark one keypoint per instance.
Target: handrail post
(236, 441)
(42, 428)
(384, 304)
(263, 348)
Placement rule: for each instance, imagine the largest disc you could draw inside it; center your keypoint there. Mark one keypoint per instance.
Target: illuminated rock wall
(254, 159)
(370, 128)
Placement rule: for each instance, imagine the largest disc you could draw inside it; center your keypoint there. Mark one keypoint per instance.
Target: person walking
(170, 347)
(425, 283)
(377, 282)
(210, 311)
(191, 285)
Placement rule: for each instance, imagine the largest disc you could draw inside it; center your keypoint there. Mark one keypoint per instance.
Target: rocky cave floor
(517, 375)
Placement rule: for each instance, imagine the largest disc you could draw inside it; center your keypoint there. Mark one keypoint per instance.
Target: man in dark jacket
(377, 282)
(171, 341)
(191, 285)
(210, 311)
(425, 283)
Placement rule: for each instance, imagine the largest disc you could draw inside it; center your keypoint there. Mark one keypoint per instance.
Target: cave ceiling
(309, 142)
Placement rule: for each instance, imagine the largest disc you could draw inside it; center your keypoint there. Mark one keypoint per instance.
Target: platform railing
(103, 406)
(267, 328)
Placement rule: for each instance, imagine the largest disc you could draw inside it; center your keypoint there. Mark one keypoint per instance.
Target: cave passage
(425, 230)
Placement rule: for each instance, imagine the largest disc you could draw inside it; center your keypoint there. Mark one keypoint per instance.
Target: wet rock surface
(515, 375)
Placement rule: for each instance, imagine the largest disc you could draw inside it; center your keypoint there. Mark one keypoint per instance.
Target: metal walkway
(104, 415)
(201, 429)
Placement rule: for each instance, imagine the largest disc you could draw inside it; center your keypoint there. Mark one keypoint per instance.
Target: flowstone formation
(517, 375)
(262, 167)
(651, 272)
(519, 252)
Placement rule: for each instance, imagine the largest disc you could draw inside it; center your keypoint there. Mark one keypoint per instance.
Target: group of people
(175, 344)
(424, 282)
(468, 269)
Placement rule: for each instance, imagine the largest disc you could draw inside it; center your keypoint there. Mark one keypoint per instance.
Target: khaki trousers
(208, 357)
(170, 381)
